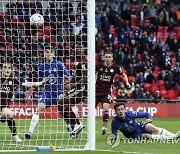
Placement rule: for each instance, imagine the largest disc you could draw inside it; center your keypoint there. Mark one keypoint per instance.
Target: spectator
(149, 98)
(131, 70)
(150, 78)
(138, 92)
(141, 79)
(169, 80)
(161, 75)
(157, 97)
(122, 92)
(164, 17)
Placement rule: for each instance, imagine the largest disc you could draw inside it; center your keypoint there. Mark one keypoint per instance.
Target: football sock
(105, 118)
(34, 121)
(12, 126)
(70, 117)
(165, 132)
(161, 137)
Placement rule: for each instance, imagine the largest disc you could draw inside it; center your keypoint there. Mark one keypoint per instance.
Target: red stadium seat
(161, 85)
(155, 88)
(160, 29)
(176, 29)
(148, 87)
(156, 75)
(172, 94)
(173, 60)
(164, 94)
(165, 28)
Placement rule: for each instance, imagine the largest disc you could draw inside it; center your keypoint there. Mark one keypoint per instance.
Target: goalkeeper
(125, 122)
(55, 72)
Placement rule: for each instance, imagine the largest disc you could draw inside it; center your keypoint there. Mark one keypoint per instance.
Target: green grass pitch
(51, 132)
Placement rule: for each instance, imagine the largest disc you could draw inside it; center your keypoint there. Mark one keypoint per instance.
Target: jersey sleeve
(40, 73)
(65, 71)
(114, 128)
(141, 115)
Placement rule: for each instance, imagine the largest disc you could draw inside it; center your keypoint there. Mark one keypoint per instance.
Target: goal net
(66, 25)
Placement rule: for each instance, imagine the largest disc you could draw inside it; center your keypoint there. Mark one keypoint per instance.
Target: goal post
(91, 74)
(23, 46)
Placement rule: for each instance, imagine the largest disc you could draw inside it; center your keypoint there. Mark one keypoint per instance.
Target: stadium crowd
(144, 37)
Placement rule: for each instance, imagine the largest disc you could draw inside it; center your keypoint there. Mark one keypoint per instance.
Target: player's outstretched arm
(35, 84)
(126, 80)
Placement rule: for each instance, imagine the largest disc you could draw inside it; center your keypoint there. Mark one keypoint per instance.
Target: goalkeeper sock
(105, 118)
(34, 121)
(12, 126)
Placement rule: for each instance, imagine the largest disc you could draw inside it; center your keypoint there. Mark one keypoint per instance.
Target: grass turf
(51, 132)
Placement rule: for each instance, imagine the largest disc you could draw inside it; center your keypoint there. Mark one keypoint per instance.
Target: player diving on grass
(105, 74)
(127, 124)
(7, 86)
(75, 92)
(55, 71)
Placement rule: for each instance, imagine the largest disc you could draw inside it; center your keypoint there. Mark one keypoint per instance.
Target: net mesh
(23, 45)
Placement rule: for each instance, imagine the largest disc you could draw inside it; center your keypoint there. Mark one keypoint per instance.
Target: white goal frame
(91, 74)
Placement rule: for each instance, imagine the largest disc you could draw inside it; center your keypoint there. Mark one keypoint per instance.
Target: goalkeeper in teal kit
(55, 71)
(127, 124)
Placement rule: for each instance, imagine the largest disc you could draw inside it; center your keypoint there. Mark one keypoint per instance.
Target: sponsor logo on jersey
(74, 92)
(10, 82)
(4, 89)
(111, 70)
(105, 78)
(52, 79)
(106, 70)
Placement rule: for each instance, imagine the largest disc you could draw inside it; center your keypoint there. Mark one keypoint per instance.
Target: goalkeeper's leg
(6, 115)
(35, 119)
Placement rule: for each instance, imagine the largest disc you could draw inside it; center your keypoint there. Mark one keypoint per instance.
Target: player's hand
(67, 87)
(148, 120)
(45, 80)
(128, 86)
(66, 79)
(112, 137)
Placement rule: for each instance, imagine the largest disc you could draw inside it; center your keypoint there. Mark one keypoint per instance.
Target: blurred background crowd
(143, 35)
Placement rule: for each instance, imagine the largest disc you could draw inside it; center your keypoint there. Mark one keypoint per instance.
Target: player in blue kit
(56, 72)
(127, 124)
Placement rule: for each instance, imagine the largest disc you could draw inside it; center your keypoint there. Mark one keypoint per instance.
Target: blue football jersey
(55, 71)
(129, 126)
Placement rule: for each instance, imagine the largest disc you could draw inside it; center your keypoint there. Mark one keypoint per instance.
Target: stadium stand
(136, 33)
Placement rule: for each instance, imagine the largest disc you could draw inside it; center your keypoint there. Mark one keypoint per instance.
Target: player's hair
(48, 47)
(108, 52)
(6, 63)
(119, 104)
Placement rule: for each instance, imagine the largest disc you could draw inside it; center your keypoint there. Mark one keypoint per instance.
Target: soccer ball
(36, 20)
